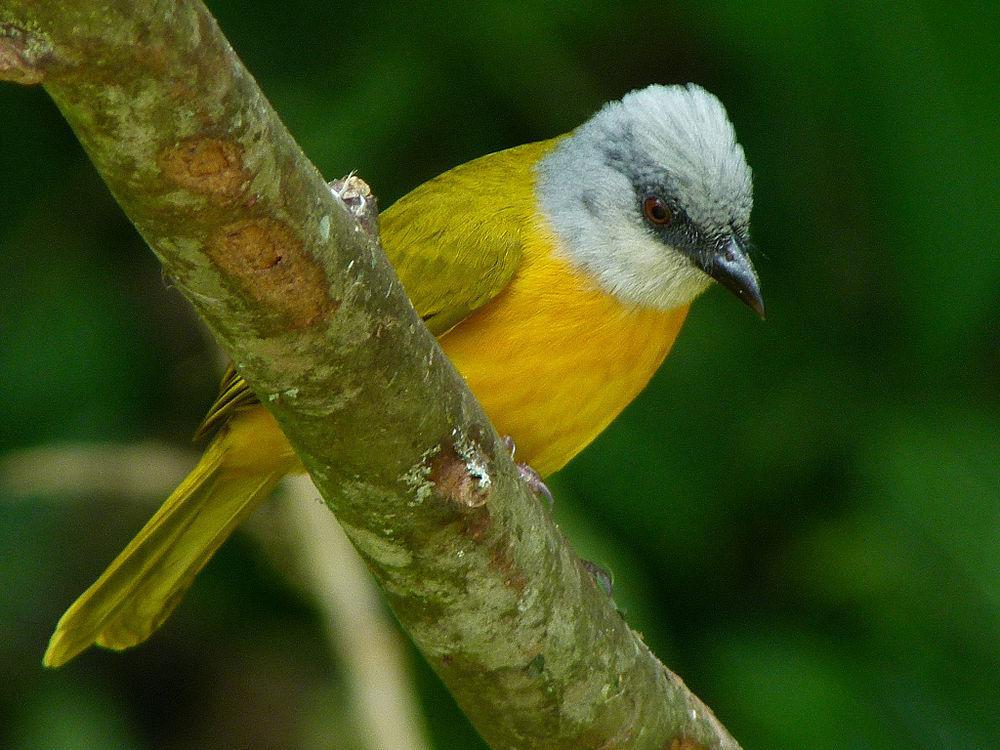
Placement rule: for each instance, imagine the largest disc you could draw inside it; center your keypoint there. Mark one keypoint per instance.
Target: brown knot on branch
(24, 56)
(460, 473)
(269, 263)
(208, 166)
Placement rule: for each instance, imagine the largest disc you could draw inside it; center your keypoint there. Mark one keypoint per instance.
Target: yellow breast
(553, 360)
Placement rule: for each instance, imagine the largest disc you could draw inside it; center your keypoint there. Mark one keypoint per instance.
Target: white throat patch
(677, 136)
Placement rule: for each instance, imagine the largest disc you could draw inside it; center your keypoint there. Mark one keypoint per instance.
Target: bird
(555, 275)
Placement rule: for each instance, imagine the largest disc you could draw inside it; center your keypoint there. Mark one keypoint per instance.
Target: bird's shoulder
(455, 242)
(458, 239)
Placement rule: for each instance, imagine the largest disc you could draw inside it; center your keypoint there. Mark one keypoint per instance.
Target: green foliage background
(802, 515)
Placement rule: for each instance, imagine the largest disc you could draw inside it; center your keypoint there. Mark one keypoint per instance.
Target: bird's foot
(535, 483)
(355, 193)
(528, 475)
(602, 576)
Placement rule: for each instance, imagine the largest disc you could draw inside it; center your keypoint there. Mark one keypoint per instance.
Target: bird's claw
(531, 478)
(528, 475)
(601, 576)
(357, 196)
(508, 443)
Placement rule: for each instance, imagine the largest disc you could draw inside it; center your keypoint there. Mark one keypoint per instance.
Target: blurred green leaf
(801, 515)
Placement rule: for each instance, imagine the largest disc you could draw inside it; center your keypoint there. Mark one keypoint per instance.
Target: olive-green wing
(234, 394)
(455, 242)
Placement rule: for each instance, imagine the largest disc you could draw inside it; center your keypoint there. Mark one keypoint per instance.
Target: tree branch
(295, 287)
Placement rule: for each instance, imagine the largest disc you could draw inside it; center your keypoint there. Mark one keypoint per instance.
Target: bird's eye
(656, 211)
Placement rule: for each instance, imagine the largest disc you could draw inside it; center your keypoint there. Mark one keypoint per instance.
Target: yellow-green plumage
(458, 239)
(555, 275)
(140, 589)
(552, 358)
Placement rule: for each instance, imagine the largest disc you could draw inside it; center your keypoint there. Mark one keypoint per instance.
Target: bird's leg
(534, 481)
(602, 576)
(357, 196)
(528, 475)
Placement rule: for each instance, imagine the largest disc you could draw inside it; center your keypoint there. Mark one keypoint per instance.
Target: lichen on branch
(294, 285)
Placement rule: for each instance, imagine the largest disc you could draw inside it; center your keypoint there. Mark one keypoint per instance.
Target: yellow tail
(146, 581)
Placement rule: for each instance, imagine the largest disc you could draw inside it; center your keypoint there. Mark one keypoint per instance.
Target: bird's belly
(553, 364)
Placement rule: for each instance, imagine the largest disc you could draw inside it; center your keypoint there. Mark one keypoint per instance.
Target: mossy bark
(292, 281)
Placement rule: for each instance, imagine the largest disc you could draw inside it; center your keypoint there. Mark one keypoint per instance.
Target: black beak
(730, 265)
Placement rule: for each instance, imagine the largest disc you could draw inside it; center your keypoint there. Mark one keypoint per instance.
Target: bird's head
(652, 197)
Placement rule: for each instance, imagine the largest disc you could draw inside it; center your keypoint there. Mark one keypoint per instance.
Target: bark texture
(293, 283)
